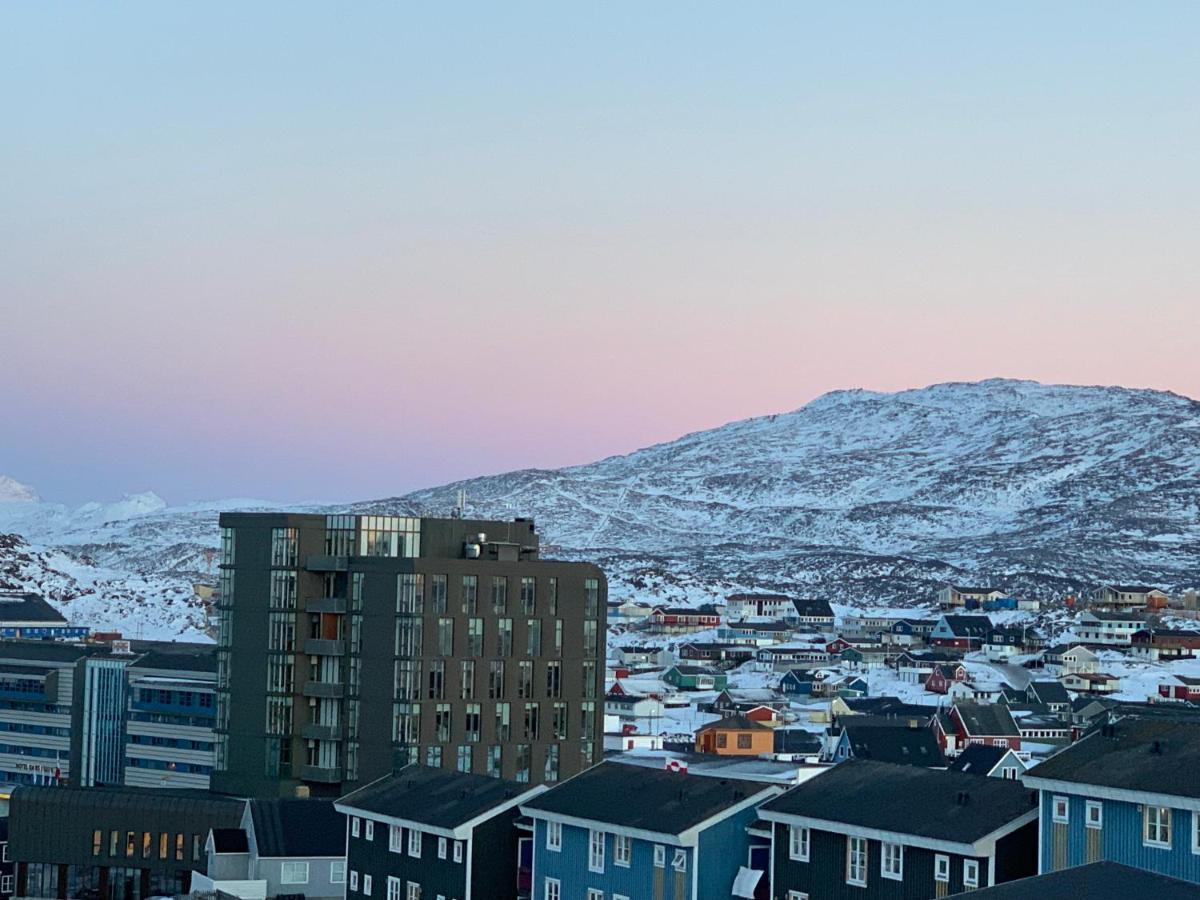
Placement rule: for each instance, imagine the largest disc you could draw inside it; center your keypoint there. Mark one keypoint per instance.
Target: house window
(443, 845)
(660, 856)
(366, 885)
(941, 868)
(1156, 830)
(6, 884)
(458, 851)
(1093, 814)
(414, 843)
(291, 872)
(595, 894)
(856, 861)
(1060, 812)
(798, 842)
(622, 850)
(395, 838)
(353, 880)
(679, 862)
(797, 895)
(595, 851)
(553, 889)
(970, 874)
(891, 862)
(337, 872)
(355, 826)
(744, 742)
(370, 830)
(554, 835)
(1009, 772)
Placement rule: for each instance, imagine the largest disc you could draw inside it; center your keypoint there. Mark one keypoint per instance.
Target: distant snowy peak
(12, 491)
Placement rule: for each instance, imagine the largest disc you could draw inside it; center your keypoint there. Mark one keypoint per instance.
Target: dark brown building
(352, 645)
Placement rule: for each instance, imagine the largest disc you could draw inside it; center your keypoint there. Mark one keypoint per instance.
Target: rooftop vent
(963, 798)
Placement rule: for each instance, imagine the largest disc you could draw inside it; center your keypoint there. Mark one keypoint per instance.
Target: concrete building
(389, 640)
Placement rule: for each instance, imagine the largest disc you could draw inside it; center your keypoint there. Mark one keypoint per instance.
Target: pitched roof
(22, 607)
(987, 719)
(635, 797)
(1106, 616)
(968, 626)
(296, 828)
(893, 742)
(978, 759)
(439, 798)
(1049, 691)
(813, 607)
(1097, 881)
(734, 723)
(230, 840)
(908, 800)
(1136, 754)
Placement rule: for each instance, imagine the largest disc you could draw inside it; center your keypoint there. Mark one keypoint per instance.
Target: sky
(316, 251)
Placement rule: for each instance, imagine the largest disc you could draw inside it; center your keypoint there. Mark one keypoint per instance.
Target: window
(595, 851)
(797, 895)
(553, 889)
(355, 826)
(393, 888)
(395, 838)
(443, 845)
(941, 868)
(595, 894)
(1094, 814)
(1195, 832)
(470, 594)
(337, 871)
(622, 850)
(353, 880)
(679, 862)
(1156, 831)
(1060, 812)
(370, 830)
(97, 842)
(554, 835)
(412, 890)
(458, 851)
(414, 843)
(970, 874)
(744, 742)
(366, 885)
(798, 843)
(891, 862)
(6, 884)
(856, 861)
(291, 872)
(660, 856)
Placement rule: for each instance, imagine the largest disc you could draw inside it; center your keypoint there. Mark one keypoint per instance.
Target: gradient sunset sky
(340, 251)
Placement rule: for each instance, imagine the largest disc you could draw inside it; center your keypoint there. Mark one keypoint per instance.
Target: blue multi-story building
(622, 832)
(1127, 793)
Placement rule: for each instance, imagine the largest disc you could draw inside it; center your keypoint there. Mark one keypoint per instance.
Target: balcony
(322, 774)
(313, 731)
(335, 605)
(321, 563)
(324, 647)
(325, 689)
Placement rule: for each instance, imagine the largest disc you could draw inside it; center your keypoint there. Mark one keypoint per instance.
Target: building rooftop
(653, 800)
(23, 607)
(438, 798)
(1135, 754)
(293, 827)
(734, 723)
(230, 840)
(893, 742)
(909, 800)
(987, 719)
(978, 759)
(1097, 881)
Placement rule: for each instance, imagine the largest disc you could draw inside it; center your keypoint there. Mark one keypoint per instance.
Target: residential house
(424, 833)
(1063, 658)
(908, 632)
(681, 619)
(797, 683)
(732, 700)
(994, 762)
(735, 736)
(1129, 597)
(1037, 723)
(845, 686)
(1091, 683)
(626, 705)
(758, 634)
(716, 653)
(686, 677)
(1126, 793)
(884, 739)
(865, 657)
(867, 625)
(283, 846)
(1095, 881)
(784, 656)
(961, 632)
(1051, 694)
(980, 691)
(1182, 688)
(640, 657)
(623, 832)
(1004, 642)
(768, 606)
(816, 614)
(956, 596)
(1113, 629)
(1165, 644)
(914, 667)
(985, 723)
(866, 830)
(942, 676)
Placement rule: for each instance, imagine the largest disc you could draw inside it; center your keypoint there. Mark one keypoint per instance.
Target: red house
(1188, 690)
(990, 724)
(682, 619)
(837, 645)
(942, 677)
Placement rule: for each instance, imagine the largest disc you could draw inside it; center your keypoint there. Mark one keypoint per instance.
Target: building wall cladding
(436, 876)
(824, 875)
(375, 579)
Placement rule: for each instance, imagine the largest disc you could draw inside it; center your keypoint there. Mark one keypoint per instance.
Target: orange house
(735, 736)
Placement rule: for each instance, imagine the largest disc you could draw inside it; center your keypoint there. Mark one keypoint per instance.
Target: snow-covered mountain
(12, 491)
(860, 497)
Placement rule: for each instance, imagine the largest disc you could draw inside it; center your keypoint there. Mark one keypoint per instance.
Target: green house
(695, 678)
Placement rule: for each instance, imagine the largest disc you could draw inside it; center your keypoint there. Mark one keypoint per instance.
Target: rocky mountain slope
(860, 497)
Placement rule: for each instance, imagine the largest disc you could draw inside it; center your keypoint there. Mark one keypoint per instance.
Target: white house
(1112, 628)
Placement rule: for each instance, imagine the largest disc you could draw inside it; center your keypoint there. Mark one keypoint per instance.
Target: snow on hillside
(863, 498)
(12, 491)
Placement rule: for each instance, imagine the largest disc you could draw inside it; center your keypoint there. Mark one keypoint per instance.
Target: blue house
(797, 682)
(623, 832)
(1127, 793)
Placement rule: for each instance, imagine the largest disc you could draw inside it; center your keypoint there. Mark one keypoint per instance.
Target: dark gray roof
(296, 828)
(739, 723)
(438, 798)
(187, 658)
(908, 800)
(1143, 754)
(1049, 691)
(20, 607)
(813, 607)
(987, 719)
(974, 590)
(978, 759)
(1097, 881)
(968, 626)
(893, 742)
(230, 840)
(1131, 588)
(686, 669)
(888, 706)
(1106, 616)
(44, 651)
(636, 797)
